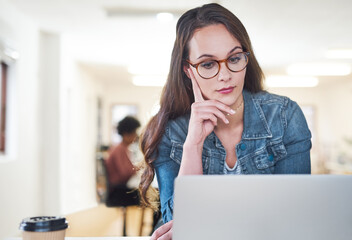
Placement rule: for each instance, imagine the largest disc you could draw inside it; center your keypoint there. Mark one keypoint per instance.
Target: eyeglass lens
(234, 63)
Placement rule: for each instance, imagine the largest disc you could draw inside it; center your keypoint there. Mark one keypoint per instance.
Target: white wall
(144, 97)
(78, 110)
(20, 172)
(335, 118)
(49, 78)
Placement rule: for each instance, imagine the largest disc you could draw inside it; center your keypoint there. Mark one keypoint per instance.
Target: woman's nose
(224, 73)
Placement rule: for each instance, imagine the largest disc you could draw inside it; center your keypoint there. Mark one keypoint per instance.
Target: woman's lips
(226, 90)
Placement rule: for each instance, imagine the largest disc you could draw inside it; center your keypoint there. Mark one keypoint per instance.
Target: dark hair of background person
(127, 125)
(177, 95)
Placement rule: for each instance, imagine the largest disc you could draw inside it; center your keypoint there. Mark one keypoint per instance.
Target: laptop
(263, 207)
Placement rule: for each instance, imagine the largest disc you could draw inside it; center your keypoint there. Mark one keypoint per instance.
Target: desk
(93, 238)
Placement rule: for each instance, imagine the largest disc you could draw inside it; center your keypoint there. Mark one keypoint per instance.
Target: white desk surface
(93, 238)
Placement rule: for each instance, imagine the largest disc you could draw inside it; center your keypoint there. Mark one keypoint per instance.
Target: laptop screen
(252, 207)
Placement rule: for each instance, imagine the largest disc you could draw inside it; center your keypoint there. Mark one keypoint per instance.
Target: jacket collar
(255, 125)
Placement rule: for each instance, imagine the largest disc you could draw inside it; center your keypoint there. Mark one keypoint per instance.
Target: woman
(215, 117)
(119, 166)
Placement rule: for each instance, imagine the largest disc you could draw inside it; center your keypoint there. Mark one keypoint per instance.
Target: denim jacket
(275, 140)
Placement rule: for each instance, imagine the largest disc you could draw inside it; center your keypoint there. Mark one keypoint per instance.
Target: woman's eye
(233, 59)
(208, 65)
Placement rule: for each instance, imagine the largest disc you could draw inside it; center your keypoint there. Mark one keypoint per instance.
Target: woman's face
(214, 42)
(130, 137)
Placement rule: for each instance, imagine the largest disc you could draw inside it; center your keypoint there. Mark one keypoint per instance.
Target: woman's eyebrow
(237, 47)
(209, 55)
(205, 55)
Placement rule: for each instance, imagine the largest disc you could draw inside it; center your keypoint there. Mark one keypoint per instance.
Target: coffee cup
(44, 228)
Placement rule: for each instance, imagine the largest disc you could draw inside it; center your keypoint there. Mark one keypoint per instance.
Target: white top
(235, 170)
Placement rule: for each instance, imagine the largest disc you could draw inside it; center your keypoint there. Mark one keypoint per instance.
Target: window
(118, 112)
(3, 80)
(8, 118)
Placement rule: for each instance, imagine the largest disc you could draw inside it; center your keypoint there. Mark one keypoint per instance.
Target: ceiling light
(290, 81)
(149, 80)
(12, 53)
(136, 11)
(319, 69)
(339, 53)
(8, 54)
(164, 17)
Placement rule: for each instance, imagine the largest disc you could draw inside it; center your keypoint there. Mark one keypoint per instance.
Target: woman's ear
(185, 69)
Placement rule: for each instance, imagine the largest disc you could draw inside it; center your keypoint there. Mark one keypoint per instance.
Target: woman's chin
(228, 100)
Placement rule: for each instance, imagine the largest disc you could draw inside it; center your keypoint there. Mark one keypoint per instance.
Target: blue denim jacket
(275, 140)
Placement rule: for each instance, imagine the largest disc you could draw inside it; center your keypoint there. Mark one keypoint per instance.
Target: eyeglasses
(210, 68)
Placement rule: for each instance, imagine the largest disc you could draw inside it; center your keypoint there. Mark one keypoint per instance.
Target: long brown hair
(177, 95)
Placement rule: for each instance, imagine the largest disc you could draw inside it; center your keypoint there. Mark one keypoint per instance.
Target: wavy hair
(177, 95)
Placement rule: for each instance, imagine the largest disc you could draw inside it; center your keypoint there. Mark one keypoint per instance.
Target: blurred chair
(130, 204)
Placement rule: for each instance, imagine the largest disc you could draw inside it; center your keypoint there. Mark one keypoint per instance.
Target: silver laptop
(263, 207)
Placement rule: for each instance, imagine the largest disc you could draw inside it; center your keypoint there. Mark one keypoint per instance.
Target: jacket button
(271, 157)
(243, 146)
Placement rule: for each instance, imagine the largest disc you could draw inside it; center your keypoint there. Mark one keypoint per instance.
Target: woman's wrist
(193, 143)
(193, 146)
(191, 163)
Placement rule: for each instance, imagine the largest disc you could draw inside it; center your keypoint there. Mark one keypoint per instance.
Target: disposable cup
(44, 228)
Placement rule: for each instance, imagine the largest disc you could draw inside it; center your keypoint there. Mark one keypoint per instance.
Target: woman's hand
(164, 232)
(204, 118)
(204, 115)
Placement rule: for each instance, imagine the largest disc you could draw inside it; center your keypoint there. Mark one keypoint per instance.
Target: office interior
(69, 63)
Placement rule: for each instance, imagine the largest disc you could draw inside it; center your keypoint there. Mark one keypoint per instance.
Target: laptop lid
(265, 207)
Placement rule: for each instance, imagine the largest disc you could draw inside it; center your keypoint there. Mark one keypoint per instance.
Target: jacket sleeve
(166, 172)
(297, 141)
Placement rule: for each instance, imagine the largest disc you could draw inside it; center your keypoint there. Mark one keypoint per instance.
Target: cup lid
(43, 224)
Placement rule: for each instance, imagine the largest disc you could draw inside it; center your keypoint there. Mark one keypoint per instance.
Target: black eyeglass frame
(195, 65)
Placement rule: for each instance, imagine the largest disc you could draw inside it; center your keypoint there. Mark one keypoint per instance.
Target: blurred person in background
(120, 168)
